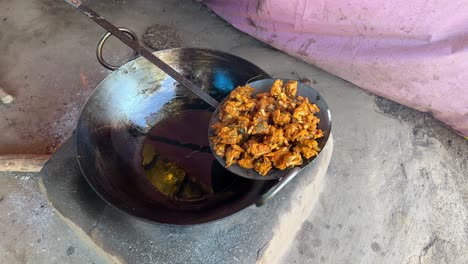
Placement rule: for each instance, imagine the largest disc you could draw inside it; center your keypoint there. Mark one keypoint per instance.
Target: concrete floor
(396, 190)
(33, 231)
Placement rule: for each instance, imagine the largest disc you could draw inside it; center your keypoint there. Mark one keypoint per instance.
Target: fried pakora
(276, 129)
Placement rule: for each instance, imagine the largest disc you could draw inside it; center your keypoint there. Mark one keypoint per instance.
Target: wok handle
(103, 40)
(277, 187)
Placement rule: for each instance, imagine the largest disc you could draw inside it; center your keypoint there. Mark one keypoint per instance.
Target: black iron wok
(138, 105)
(119, 115)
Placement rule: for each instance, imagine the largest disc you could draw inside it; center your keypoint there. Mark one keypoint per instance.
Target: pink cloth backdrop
(412, 52)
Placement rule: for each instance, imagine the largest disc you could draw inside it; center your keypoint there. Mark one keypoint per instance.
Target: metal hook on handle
(103, 40)
(277, 187)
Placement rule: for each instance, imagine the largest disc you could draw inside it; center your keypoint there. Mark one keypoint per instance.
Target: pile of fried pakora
(276, 129)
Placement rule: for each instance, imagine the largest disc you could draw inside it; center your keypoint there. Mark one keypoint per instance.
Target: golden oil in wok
(165, 175)
(177, 158)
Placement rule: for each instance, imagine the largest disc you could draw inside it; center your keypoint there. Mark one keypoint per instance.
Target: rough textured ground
(33, 232)
(396, 190)
(160, 37)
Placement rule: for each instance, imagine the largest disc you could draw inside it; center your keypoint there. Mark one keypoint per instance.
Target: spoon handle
(135, 45)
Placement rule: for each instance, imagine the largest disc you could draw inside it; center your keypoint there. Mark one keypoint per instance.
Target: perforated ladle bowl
(287, 175)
